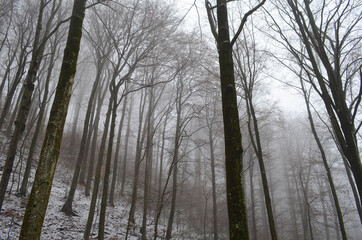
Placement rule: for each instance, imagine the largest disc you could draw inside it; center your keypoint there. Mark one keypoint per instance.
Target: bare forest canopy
(198, 119)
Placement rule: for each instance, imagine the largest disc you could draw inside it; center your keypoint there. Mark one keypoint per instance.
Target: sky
(289, 100)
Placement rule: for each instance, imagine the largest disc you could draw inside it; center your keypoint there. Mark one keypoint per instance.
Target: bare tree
(38, 50)
(329, 35)
(249, 64)
(54, 50)
(102, 51)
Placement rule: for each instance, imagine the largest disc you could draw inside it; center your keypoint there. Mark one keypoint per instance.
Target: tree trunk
(94, 142)
(354, 190)
(102, 215)
(140, 139)
(116, 155)
(125, 154)
(8, 69)
(213, 181)
(24, 107)
(72, 142)
(85, 162)
(97, 179)
(325, 163)
(325, 215)
(238, 223)
(256, 143)
(161, 162)
(148, 168)
(173, 200)
(39, 124)
(39, 196)
(292, 205)
(175, 160)
(67, 207)
(252, 196)
(19, 73)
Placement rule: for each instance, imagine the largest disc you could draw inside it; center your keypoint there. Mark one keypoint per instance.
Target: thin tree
(324, 160)
(25, 104)
(40, 121)
(102, 51)
(249, 66)
(330, 42)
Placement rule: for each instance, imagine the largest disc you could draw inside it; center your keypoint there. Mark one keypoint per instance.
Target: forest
(195, 119)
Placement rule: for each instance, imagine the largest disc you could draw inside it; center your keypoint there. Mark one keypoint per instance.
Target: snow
(59, 226)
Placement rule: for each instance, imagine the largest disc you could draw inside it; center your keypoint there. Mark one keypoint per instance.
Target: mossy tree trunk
(39, 196)
(238, 225)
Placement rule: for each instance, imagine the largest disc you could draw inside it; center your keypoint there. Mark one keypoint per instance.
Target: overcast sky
(289, 100)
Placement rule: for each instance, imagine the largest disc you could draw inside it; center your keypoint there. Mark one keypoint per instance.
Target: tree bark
(140, 139)
(102, 215)
(238, 222)
(149, 156)
(125, 153)
(92, 154)
(39, 196)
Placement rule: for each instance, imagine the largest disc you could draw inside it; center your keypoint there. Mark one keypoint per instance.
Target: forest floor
(56, 224)
(59, 226)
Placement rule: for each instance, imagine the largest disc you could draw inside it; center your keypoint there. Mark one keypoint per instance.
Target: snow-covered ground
(59, 226)
(56, 224)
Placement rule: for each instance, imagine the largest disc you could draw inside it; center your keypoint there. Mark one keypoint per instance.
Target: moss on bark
(39, 196)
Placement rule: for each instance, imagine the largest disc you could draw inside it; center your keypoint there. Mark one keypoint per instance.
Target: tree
(329, 35)
(324, 160)
(102, 51)
(238, 226)
(38, 49)
(40, 121)
(39, 196)
(249, 65)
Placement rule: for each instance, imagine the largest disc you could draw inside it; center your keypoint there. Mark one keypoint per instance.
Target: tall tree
(249, 65)
(238, 225)
(102, 51)
(329, 35)
(22, 115)
(40, 121)
(324, 159)
(39, 196)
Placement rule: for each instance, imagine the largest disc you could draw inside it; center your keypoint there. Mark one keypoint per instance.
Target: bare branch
(243, 21)
(211, 20)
